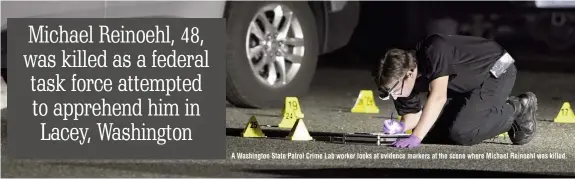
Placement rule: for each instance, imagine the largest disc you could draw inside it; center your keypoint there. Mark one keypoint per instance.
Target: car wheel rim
(275, 45)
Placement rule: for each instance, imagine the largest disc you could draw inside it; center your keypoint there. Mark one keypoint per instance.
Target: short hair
(394, 65)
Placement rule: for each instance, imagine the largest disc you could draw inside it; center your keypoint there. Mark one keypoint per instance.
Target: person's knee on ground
(437, 137)
(475, 124)
(464, 137)
(522, 130)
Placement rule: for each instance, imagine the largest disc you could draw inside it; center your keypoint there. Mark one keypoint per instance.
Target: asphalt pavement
(327, 113)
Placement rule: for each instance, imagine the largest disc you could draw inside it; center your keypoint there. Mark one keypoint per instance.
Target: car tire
(243, 88)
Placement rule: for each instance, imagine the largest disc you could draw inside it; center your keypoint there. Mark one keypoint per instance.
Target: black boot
(524, 126)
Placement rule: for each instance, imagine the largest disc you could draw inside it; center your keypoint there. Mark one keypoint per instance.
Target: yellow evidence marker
(565, 115)
(290, 113)
(292, 103)
(299, 132)
(365, 103)
(253, 129)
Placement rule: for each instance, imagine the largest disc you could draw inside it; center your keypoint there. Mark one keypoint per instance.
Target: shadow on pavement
(397, 172)
(281, 134)
(276, 132)
(335, 137)
(263, 115)
(326, 137)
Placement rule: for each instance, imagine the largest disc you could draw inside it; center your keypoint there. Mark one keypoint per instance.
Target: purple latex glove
(391, 126)
(410, 142)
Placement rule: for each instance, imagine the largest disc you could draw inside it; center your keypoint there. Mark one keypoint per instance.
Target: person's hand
(391, 126)
(410, 142)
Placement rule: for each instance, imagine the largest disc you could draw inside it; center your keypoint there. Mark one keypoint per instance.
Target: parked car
(312, 29)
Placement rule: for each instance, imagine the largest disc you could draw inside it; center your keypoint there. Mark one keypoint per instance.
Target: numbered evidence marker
(365, 103)
(253, 129)
(299, 132)
(290, 113)
(565, 114)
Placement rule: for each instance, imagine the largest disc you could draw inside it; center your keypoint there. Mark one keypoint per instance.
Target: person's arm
(409, 108)
(410, 120)
(433, 107)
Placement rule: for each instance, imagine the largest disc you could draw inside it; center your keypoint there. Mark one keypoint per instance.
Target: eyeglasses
(384, 93)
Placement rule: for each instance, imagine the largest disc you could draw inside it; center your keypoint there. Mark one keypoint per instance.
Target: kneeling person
(469, 81)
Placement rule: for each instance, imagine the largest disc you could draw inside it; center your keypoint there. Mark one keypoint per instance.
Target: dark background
(385, 25)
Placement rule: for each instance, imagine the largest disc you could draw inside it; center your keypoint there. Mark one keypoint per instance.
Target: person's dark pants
(471, 118)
